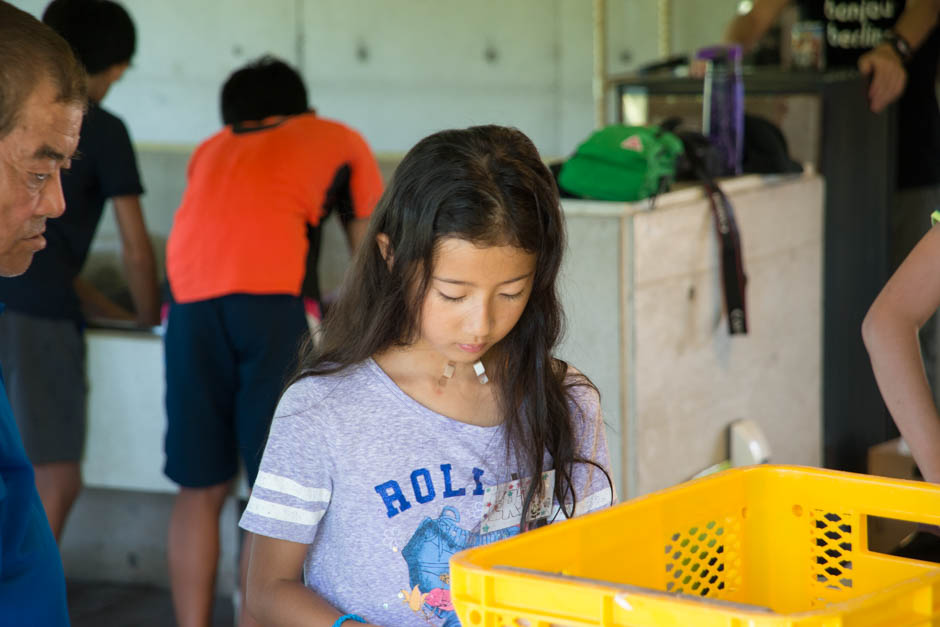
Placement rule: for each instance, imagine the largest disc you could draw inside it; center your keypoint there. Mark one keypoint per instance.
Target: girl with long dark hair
(432, 416)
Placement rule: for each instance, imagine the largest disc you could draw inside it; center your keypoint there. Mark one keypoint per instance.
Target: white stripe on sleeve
(287, 486)
(283, 513)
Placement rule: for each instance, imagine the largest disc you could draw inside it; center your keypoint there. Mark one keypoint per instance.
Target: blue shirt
(32, 583)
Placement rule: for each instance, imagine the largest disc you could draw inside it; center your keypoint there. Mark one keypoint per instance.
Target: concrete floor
(94, 604)
(114, 555)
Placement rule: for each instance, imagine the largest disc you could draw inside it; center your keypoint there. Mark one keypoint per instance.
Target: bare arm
(139, 263)
(356, 232)
(917, 20)
(882, 63)
(95, 304)
(890, 328)
(276, 595)
(747, 29)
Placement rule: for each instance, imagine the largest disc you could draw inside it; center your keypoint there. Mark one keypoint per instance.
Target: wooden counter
(643, 298)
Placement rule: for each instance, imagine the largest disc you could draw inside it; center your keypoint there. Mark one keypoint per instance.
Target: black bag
(765, 148)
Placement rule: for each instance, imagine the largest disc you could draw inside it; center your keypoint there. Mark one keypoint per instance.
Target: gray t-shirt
(385, 491)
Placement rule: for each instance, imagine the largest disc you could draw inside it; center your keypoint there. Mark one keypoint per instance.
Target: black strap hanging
(733, 278)
(701, 161)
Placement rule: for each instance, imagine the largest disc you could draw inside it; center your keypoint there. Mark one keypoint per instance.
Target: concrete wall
(395, 70)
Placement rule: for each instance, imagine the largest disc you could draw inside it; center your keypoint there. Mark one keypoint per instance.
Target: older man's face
(32, 156)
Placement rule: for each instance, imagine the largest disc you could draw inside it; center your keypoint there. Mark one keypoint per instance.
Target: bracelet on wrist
(342, 619)
(899, 44)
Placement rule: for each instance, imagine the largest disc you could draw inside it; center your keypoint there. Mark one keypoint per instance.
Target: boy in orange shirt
(236, 260)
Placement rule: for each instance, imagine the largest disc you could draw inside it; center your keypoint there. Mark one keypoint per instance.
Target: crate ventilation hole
(832, 549)
(700, 560)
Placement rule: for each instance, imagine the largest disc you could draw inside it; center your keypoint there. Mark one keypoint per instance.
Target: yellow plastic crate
(754, 547)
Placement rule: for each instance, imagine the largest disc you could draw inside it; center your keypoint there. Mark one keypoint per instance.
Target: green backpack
(623, 163)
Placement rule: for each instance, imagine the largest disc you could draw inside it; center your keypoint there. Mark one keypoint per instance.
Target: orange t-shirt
(242, 225)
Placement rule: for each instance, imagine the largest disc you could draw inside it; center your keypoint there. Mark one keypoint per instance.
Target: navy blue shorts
(227, 360)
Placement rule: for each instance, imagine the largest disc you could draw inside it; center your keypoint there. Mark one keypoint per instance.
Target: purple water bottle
(723, 104)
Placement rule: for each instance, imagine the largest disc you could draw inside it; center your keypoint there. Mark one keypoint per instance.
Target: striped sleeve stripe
(283, 513)
(290, 487)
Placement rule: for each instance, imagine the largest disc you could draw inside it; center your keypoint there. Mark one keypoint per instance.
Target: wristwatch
(898, 44)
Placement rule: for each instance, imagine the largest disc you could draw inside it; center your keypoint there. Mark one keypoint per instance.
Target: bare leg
(193, 545)
(244, 618)
(58, 484)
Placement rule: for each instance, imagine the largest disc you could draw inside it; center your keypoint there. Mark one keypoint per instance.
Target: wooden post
(600, 63)
(664, 23)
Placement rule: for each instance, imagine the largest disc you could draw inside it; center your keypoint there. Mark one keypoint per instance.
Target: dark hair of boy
(29, 54)
(100, 32)
(486, 185)
(263, 88)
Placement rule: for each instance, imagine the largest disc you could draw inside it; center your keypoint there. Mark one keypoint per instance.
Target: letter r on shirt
(390, 493)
